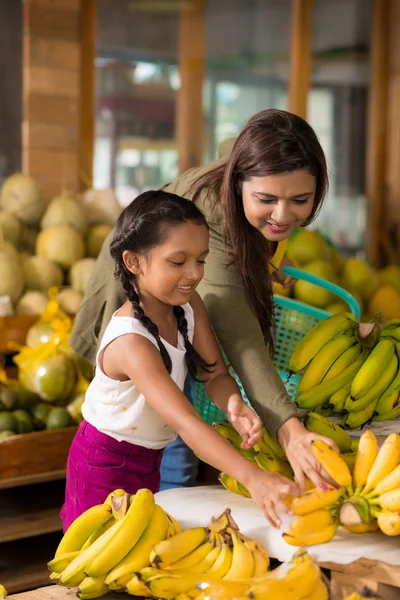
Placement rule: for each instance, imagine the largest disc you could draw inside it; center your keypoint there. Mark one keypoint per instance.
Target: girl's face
(278, 204)
(171, 271)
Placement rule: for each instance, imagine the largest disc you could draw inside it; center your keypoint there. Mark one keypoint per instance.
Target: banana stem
(375, 511)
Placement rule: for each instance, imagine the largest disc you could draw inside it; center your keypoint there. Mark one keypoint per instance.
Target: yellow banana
(386, 461)
(3, 591)
(126, 535)
(170, 586)
(193, 558)
(324, 426)
(117, 493)
(242, 566)
(323, 392)
(74, 573)
(338, 399)
(177, 527)
(91, 595)
(332, 463)
(315, 339)
(201, 567)
(388, 483)
(311, 522)
(138, 557)
(376, 391)
(79, 531)
(273, 465)
(169, 551)
(92, 584)
(229, 433)
(319, 537)
(233, 486)
(366, 454)
(137, 587)
(371, 527)
(260, 556)
(324, 359)
(273, 446)
(372, 369)
(390, 396)
(358, 419)
(290, 581)
(320, 592)
(346, 359)
(390, 500)
(223, 563)
(53, 577)
(316, 499)
(99, 532)
(61, 562)
(389, 523)
(389, 416)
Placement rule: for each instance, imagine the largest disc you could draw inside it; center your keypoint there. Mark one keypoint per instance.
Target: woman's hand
(296, 441)
(269, 491)
(279, 275)
(245, 421)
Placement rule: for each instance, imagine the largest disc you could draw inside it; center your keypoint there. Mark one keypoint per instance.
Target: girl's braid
(193, 359)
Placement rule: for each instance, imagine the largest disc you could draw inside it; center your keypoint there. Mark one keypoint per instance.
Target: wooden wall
(51, 93)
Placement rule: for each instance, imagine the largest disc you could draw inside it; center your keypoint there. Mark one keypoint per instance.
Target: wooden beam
(300, 55)
(377, 130)
(88, 90)
(189, 106)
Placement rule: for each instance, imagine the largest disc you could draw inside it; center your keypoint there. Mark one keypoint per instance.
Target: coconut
(62, 245)
(11, 276)
(40, 273)
(31, 303)
(80, 274)
(21, 196)
(95, 239)
(10, 226)
(65, 211)
(69, 300)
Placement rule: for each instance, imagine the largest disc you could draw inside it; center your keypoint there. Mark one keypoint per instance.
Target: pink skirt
(98, 464)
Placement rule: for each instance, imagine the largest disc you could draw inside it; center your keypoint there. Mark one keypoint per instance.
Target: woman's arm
(138, 358)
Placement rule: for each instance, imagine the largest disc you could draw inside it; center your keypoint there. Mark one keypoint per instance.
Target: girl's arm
(140, 361)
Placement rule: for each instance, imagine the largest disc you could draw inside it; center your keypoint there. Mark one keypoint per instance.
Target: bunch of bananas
(3, 591)
(349, 372)
(270, 456)
(367, 500)
(105, 545)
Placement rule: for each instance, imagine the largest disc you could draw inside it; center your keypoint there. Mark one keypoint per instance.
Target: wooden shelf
(20, 480)
(34, 513)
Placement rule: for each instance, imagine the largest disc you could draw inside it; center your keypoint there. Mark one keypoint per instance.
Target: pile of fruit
(351, 369)
(377, 291)
(130, 543)
(45, 244)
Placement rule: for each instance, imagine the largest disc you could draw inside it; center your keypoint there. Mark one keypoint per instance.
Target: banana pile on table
(366, 501)
(349, 371)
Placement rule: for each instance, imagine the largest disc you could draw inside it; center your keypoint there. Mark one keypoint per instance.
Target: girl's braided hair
(143, 225)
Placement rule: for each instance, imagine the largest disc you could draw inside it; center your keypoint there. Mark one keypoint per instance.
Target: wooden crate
(36, 452)
(13, 330)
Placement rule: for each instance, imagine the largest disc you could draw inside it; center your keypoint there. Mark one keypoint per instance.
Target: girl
(135, 405)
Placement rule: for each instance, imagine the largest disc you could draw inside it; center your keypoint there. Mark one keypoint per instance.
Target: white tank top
(117, 408)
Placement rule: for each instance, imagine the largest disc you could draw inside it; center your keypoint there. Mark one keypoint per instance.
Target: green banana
(322, 362)
(362, 417)
(389, 398)
(376, 390)
(392, 324)
(389, 416)
(273, 465)
(233, 486)
(370, 340)
(338, 399)
(391, 333)
(372, 369)
(325, 410)
(322, 392)
(319, 424)
(229, 433)
(346, 359)
(317, 337)
(270, 445)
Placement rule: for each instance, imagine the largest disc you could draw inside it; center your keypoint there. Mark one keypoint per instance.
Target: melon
(31, 303)
(65, 211)
(95, 239)
(390, 275)
(385, 300)
(69, 300)
(63, 245)
(40, 273)
(11, 276)
(101, 206)
(21, 196)
(10, 227)
(81, 272)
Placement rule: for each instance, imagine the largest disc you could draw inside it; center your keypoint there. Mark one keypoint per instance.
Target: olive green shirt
(224, 296)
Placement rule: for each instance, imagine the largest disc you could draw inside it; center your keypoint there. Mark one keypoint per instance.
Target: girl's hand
(245, 421)
(297, 441)
(269, 490)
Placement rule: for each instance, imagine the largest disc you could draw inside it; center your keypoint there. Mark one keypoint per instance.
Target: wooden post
(189, 106)
(51, 93)
(88, 91)
(300, 56)
(377, 130)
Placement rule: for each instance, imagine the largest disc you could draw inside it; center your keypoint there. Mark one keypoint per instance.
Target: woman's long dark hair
(144, 224)
(271, 142)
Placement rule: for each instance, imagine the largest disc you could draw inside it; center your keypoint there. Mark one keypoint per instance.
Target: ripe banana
(372, 369)
(389, 523)
(195, 557)
(324, 426)
(377, 389)
(99, 532)
(316, 499)
(58, 564)
(332, 463)
(138, 557)
(360, 418)
(3, 591)
(170, 586)
(223, 563)
(79, 531)
(324, 359)
(387, 459)
(177, 527)
(242, 566)
(346, 359)
(320, 537)
(324, 410)
(320, 592)
(169, 551)
(273, 465)
(91, 585)
(201, 567)
(229, 433)
(389, 500)
(313, 341)
(388, 483)
(234, 486)
(370, 527)
(137, 587)
(389, 416)
(126, 535)
(322, 392)
(366, 454)
(260, 556)
(270, 445)
(338, 399)
(311, 522)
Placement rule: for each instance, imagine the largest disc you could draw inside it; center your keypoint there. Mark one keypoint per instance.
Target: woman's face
(278, 204)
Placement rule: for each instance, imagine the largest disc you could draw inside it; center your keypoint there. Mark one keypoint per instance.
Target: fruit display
(377, 291)
(131, 544)
(350, 369)
(364, 501)
(46, 244)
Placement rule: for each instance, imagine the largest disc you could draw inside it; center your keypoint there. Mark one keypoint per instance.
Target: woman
(273, 181)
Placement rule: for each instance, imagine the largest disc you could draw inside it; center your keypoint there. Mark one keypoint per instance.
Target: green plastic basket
(293, 320)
